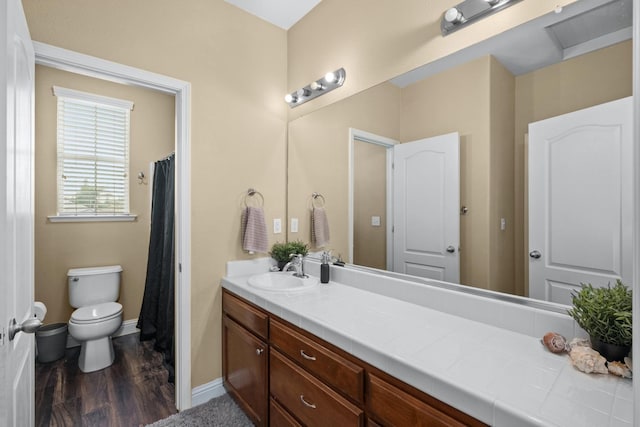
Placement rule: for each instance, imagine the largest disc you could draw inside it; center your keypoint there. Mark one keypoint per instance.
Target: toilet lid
(97, 312)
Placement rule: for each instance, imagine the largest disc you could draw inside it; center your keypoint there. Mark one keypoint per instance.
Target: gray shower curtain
(156, 320)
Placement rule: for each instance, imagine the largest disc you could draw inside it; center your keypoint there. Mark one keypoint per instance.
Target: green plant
(281, 252)
(298, 247)
(604, 313)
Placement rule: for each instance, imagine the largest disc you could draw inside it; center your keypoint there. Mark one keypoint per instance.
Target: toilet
(93, 292)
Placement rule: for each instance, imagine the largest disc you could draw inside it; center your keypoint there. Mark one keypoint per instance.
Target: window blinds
(93, 154)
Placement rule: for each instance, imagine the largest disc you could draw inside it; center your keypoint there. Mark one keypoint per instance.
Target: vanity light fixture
(469, 11)
(330, 81)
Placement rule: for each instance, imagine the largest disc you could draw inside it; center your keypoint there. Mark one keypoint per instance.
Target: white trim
(92, 98)
(205, 392)
(128, 327)
(91, 218)
(78, 63)
(388, 143)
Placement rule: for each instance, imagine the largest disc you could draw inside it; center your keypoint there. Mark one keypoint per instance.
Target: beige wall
(60, 246)
(236, 64)
(377, 40)
(318, 157)
(501, 186)
(581, 82)
(369, 199)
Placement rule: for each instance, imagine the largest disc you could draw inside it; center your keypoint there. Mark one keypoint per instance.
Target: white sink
(280, 281)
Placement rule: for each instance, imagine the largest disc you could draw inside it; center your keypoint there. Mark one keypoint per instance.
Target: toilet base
(96, 354)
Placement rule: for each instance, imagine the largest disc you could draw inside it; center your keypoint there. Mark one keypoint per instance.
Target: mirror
(488, 93)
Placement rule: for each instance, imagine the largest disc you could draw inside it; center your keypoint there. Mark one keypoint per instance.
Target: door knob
(451, 249)
(535, 254)
(29, 326)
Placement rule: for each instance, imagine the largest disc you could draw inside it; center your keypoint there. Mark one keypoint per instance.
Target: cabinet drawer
(312, 402)
(279, 417)
(394, 407)
(247, 315)
(322, 362)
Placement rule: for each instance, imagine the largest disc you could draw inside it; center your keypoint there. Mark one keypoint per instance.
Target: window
(93, 156)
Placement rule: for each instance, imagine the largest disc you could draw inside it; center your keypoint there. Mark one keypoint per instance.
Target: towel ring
(315, 197)
(250, 193)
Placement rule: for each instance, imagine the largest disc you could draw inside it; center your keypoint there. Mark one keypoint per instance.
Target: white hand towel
(254, 230)
(319, 227)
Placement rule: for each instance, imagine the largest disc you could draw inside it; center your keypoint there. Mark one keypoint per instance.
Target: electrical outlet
(375, 221)
(294, 225)
(277, 226)
(503, 224)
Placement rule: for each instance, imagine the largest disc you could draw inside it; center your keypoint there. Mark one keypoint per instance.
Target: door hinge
(2, 335)
(393, 228)
(179, 267)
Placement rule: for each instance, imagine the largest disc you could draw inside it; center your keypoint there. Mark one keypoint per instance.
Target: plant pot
(611, 352)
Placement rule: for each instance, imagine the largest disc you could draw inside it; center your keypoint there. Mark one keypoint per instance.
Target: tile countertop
(500, 376)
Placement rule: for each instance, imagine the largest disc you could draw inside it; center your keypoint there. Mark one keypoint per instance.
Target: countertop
(499, 376)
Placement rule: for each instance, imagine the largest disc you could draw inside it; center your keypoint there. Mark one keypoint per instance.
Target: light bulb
(302, 92)
(288, 98)
(492, 2)
(453, 16)
(316, 86)
(331, 77)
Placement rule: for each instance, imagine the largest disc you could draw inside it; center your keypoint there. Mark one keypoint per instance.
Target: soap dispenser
(324, 267)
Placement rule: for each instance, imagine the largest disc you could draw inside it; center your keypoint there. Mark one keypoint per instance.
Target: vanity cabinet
(245, 356)
(283, 376)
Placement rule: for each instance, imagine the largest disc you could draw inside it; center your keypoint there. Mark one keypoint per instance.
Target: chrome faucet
(296, 264)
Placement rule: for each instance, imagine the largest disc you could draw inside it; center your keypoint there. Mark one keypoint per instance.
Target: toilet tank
(93, 285)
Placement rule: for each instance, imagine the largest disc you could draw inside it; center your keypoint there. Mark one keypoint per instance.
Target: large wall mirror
(488, 94)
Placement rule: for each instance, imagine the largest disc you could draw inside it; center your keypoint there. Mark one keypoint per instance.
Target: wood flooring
(132, 392)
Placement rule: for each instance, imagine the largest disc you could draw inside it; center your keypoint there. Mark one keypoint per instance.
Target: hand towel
(254, 230)
(319, 227)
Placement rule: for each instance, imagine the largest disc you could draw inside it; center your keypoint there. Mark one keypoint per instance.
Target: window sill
(92, 218)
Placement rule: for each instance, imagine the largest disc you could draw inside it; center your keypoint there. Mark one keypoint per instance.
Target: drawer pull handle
(259, 351)
(307, 404)
(306, 356)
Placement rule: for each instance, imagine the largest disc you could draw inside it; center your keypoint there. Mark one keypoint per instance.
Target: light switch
(503, 224)
(375, 221)
(277, 226)
(294, 225)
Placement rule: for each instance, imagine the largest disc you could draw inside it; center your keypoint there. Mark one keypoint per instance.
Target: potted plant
(281, 252)
(605, 314)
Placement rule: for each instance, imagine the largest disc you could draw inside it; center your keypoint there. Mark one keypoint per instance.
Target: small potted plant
(281, 252)
(605, 314)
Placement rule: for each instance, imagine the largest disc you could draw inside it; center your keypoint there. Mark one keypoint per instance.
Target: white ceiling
(283, 13)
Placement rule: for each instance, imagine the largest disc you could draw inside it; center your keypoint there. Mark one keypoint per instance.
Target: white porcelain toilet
(93, 291)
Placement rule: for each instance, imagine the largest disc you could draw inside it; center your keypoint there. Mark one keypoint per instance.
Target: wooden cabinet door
(245, 370)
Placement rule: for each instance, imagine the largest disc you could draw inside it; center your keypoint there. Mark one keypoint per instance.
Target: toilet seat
(96, 313)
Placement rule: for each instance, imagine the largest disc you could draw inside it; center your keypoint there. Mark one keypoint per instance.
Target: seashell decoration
(588, 360)
(629, 363)
(579, 342)
(620, 369)
(554, 342)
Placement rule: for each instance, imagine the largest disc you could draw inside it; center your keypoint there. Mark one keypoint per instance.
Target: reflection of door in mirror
(426, 200)
(369, 204)
(580, 174)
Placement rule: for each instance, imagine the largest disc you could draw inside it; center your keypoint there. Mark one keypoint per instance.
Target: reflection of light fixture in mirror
(468, 11)
(319, 87)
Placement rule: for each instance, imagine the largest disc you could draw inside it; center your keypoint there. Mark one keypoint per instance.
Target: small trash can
(51, 341)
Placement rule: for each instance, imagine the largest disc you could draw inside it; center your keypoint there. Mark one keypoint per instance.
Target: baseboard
(205, 392)
(128, 327)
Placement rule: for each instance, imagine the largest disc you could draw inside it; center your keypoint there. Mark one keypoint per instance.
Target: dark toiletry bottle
(324, 267)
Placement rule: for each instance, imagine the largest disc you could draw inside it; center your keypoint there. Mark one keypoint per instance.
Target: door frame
(388, 143)
(67, 60)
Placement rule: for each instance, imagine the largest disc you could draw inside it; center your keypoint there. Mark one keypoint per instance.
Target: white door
(580, 212)
(426, 182)
(16, 216)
